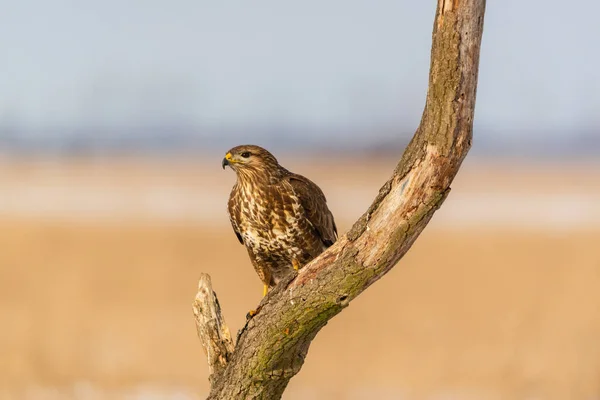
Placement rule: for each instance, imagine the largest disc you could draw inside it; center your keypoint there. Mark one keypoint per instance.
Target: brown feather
(315, 206)
(280, 217)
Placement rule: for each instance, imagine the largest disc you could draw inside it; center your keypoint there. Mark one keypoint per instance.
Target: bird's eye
(246, 154)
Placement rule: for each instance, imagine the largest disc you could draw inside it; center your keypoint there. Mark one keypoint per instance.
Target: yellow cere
(228, 156)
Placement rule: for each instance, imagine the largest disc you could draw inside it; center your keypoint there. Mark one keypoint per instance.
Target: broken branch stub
(212, 330)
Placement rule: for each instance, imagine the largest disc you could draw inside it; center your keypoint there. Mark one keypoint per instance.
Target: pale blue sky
(315, 62)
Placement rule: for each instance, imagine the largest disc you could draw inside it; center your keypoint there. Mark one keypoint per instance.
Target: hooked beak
(227, 160)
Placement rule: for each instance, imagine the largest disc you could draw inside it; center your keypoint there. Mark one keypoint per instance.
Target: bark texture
(272, 347)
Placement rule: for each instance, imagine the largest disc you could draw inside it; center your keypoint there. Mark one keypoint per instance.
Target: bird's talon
(251, 314)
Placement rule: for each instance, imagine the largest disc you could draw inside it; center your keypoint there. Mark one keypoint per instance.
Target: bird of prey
(280, 217)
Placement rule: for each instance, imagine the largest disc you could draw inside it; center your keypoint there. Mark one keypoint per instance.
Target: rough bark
(272, 347)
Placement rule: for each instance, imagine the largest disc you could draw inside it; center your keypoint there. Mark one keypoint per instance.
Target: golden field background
(99, 261)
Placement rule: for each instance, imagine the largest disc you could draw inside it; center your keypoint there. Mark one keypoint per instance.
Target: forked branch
(272, 348)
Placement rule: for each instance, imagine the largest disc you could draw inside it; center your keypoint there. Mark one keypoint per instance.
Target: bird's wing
(314, 203)
(233, 209)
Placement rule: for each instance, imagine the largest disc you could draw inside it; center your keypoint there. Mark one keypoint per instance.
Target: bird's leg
(252, 313)
(295, 264)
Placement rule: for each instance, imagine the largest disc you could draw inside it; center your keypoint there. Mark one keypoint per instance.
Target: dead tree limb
(275, 342)
(212, 330)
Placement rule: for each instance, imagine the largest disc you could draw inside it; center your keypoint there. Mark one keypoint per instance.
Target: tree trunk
(273, 345)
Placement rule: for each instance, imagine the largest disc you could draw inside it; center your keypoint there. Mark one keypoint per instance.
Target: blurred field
(98, 267)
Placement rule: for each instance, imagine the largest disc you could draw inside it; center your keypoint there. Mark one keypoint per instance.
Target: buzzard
(280, 217)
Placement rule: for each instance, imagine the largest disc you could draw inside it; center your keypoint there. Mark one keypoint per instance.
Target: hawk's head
(249, 160)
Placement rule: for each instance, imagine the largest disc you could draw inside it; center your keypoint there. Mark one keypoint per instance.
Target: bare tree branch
(211, 327)
(274, 344)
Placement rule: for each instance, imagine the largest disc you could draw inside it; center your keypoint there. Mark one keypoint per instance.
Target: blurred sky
(313, 63)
